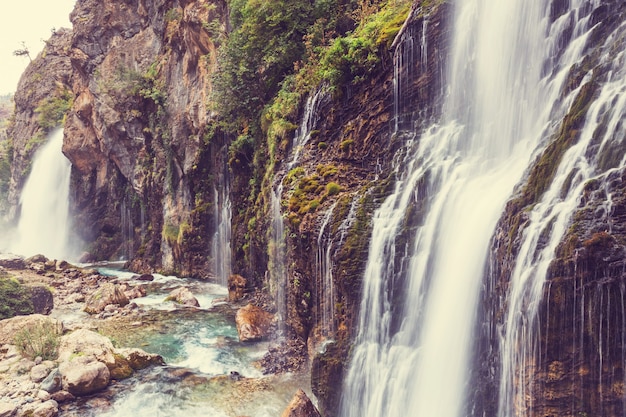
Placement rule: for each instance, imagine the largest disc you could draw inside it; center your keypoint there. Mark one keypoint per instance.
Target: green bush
(333, 188)
(52, 110)
(14, 299)
(39, 339)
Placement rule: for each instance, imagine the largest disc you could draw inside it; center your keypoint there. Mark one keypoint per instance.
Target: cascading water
(220, 244)
(503, 87)
(277, 251)
(44, 224)
(324, 276)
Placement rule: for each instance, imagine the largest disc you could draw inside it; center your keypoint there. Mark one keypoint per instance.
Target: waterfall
(324, 276)
(414, 343)
(277, 250)
(220, 243)
(602, 133)
(44, 223)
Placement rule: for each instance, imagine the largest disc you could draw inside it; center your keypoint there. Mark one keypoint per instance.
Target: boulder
(139, 359)
(9, 327)
(62, 396)
(183, 296)
(84, 375)
(144, 277)
(42, 299)
(107, 294)
(301, 406)
(86, 343)
(252, 323)
(39, 372)
(37, 259)
(236, 287)
(48, 408)
(10, 261)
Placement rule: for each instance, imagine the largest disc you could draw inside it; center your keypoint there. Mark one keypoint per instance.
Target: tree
(23, 52)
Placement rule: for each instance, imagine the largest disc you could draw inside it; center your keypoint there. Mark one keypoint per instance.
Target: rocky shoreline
(77, 307)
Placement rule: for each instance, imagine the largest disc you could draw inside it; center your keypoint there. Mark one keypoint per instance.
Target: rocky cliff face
(137, 131)
(149, 163)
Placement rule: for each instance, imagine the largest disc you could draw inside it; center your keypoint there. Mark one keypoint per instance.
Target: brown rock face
(236, 288)
(300, 406)
(252, 323)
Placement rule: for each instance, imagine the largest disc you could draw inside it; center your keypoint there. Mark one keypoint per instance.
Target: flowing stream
(504, 88)
(44, 222)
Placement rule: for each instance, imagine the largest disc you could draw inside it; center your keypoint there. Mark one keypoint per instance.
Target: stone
(39, 372)
(42, 299)
(7, 409)
(107, 294)
(10, 261)
(300, 406)
(84, 375)
(183, 296)
(144, 277)
(86, 343)
(39, 259)
(252, 323)
(53, 382)
(236, 287)
(9, 327)
(139, 359)
(48, 408)
(62, 265)
(62, 396)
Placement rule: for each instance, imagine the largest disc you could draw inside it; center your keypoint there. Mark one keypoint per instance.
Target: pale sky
(29, 21)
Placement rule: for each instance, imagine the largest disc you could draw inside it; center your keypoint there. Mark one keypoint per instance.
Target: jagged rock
(10, 261)
(108, 293)
(43, 301)
(252, 323)
(183, 296)
(236, 287)
(84, 375)
(139, 359)
(9, 327)
(301, 406)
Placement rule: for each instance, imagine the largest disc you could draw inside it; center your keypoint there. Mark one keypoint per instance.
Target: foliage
(40, 339)
(14, 299)
(52, 109)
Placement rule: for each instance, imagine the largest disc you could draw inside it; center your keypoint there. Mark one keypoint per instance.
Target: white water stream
(504, 88)
(44, 222)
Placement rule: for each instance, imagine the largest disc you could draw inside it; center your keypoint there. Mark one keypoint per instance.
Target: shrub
(14, 299)
(39, 339)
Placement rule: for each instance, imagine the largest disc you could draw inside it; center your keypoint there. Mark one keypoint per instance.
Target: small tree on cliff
(23, 52)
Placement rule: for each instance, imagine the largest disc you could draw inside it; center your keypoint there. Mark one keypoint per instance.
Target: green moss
(332, 188)
(346, 144)
(15, 299)
(51, 110)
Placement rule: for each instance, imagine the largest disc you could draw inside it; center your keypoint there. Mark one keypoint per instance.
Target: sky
(28, 21)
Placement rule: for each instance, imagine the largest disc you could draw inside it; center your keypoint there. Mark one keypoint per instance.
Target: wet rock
(145, 277)
(183, 296)
(62, 265)
(236, 287)
(105, 295)
(121, 369)
(40, 259)
(84, 375)
(135, 292)
(252, 323)
(139, 359)
(301, 406)
(42, 299)
(86, 257)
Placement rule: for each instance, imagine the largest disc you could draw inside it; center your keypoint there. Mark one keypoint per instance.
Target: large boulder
(138, 359)
(236, 287)
(252, 323)
(83, 375)
(107, 294)
(183, 296)
(10, 261)
(86, 343)
(301, 406)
